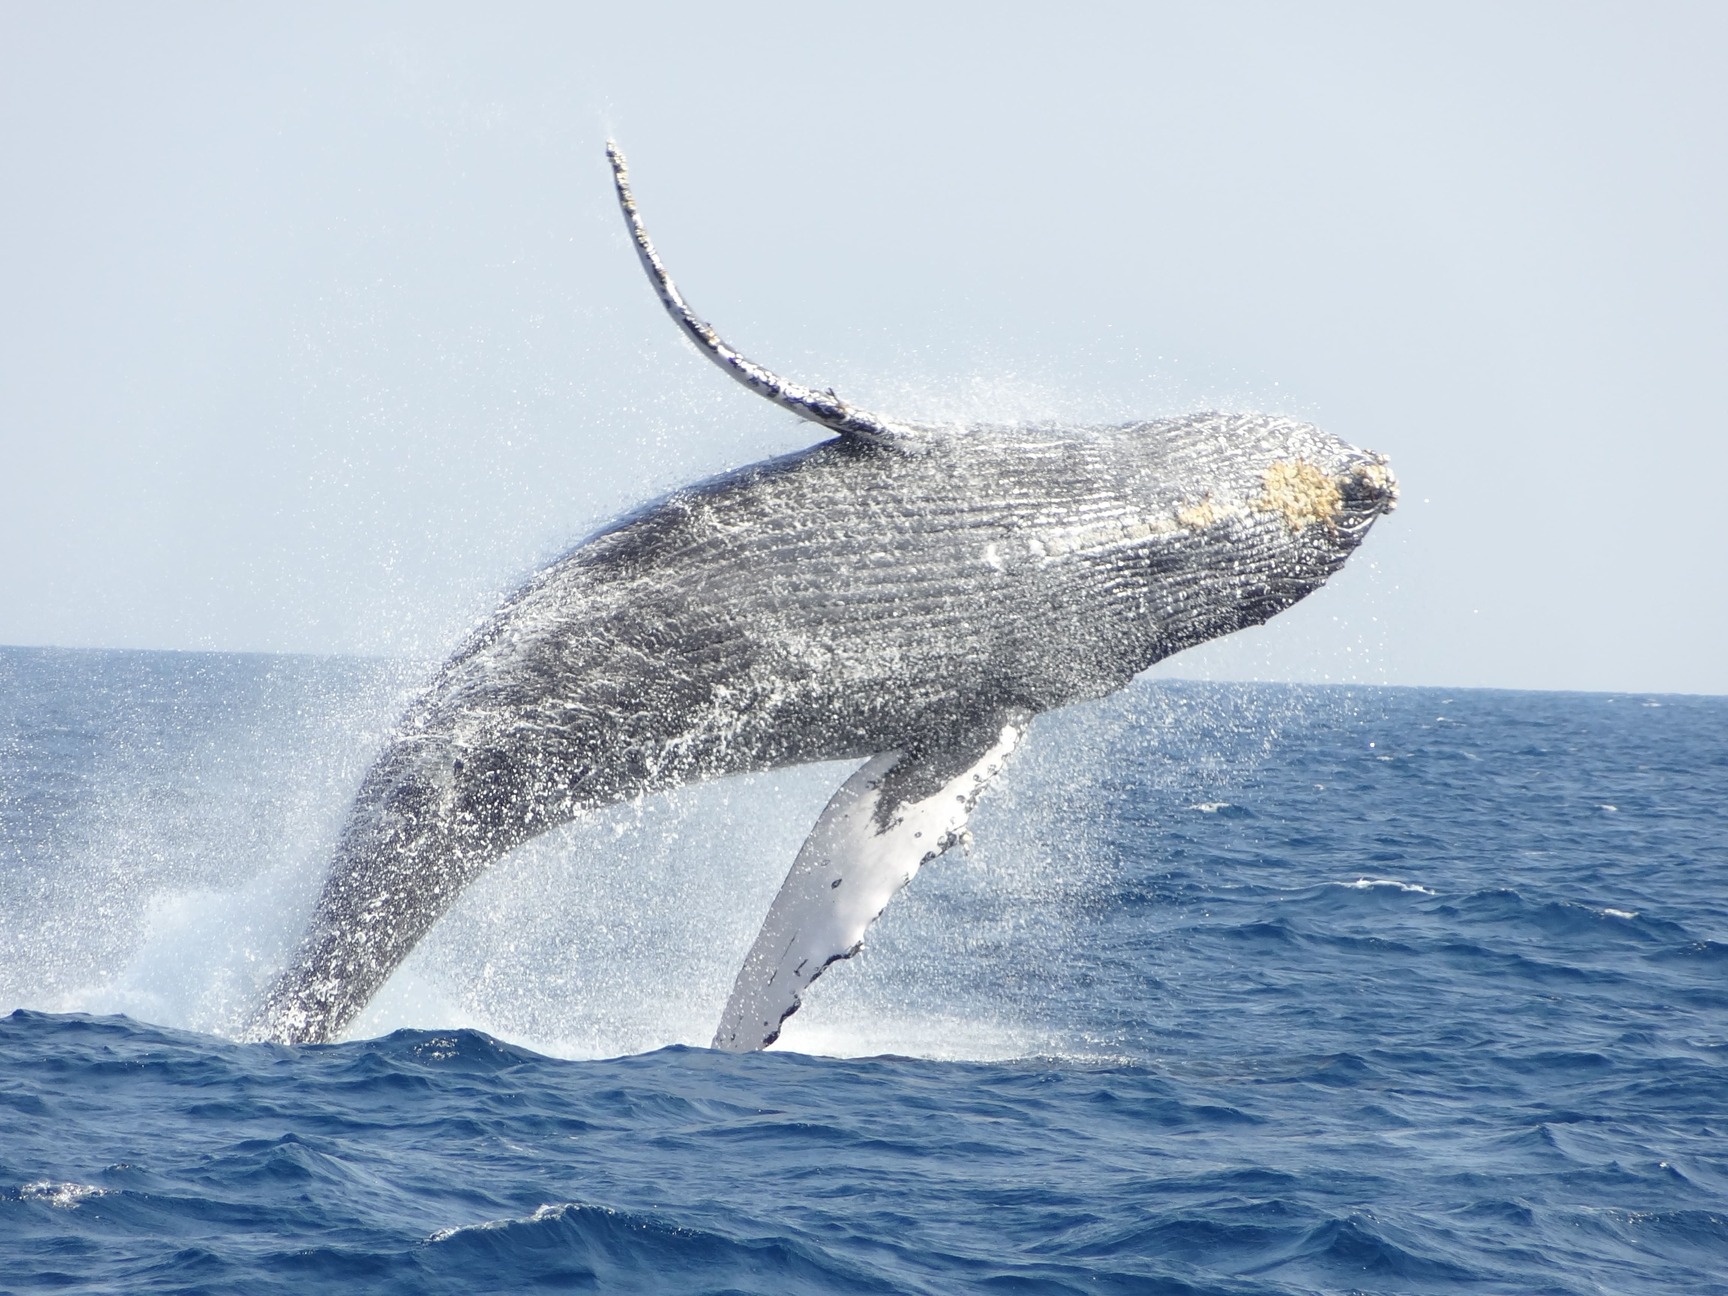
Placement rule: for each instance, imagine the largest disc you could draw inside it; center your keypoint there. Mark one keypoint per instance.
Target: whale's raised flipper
(819, 407)
(896, 814)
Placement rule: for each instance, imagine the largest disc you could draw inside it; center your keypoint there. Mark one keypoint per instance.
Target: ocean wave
(1218, 1002)
(1370, 884)
(575, 1243)
(63, 1196)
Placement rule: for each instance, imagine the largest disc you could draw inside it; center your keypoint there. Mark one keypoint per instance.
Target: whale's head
(1239, 516)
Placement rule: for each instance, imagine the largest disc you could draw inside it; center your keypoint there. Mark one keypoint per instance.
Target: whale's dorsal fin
(888, 820)
(819, 407)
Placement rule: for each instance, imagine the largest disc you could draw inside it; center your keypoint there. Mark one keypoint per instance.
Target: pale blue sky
(318, 328)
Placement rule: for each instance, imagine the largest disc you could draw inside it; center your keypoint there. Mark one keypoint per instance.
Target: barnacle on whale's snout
(1302, 492)
(1306, 495)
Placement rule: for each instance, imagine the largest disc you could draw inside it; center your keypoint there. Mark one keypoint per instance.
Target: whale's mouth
(1368, 485)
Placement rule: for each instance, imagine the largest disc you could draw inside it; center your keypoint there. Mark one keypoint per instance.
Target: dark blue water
(1242, 989)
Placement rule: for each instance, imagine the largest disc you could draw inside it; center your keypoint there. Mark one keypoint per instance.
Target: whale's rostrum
(905, 595)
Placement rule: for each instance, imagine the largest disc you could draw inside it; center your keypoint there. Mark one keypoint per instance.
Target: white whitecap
(546, 1211)
(1210, 807)
(1363, 884)
(1619, 913)
(62, 1196)
(858, 1030)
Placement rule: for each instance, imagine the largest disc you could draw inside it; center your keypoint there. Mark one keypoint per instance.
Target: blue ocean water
(1241, 989)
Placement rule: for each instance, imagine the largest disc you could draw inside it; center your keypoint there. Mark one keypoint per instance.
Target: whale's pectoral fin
(896, 814)
(822, 407)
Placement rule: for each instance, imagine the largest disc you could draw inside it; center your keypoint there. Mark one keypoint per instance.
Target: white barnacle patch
(1295, 490)
(1201, 514)
(1302, 493)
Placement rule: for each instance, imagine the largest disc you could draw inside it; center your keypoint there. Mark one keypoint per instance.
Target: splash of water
(199, 798)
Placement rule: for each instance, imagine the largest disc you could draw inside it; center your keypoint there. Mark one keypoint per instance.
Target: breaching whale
(904, 594)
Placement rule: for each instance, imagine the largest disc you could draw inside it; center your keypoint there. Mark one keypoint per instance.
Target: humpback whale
(904, 594)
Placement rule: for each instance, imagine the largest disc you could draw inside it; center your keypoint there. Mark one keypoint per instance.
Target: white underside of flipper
(854, 861)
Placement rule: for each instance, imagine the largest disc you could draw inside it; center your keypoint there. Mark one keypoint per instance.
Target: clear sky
(319, 329)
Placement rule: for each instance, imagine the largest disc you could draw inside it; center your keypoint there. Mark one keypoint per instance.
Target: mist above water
(169, 818)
